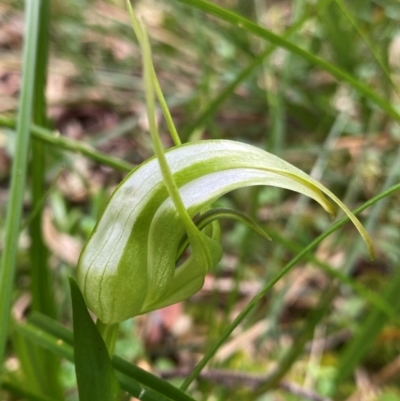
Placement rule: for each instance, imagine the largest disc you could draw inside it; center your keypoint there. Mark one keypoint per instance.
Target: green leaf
(94, 372)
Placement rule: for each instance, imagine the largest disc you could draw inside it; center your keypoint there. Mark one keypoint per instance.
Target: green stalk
(42, 296)
(109, 332)
(142, 39)
(42, 364)
(169, 181)
(165, 109)
(18, 178)
(48, 137)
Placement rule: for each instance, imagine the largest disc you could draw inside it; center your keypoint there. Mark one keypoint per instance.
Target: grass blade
(49, 137)
(367, 332)
(14, 211)
(247, 309)
(255, 29)
(45, 365)
(292, 355)
(214, 104)
(22, 391)
(343, 8)
(42, 297)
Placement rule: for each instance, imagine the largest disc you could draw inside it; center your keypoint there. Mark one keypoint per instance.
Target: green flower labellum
(128, 267)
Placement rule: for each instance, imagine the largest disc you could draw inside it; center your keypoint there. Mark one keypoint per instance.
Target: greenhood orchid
(128, 267)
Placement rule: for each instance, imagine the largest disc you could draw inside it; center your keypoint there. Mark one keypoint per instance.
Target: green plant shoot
(128, 266)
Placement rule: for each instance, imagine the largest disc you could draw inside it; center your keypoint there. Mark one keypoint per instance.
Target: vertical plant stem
(42, 297)
(14, 210)
(109, 332)
(156, 85)
(165, 110)
(44, 364)
(169, 181)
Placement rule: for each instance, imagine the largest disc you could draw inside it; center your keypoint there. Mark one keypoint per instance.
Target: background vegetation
(317, 85)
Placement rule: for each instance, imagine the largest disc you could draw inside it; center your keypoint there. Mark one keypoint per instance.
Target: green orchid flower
(129, 265)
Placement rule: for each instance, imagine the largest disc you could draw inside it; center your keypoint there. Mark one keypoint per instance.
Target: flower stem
(109, 332)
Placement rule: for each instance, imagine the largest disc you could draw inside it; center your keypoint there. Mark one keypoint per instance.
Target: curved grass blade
(94, 371)
(296, 349)
(55, 139)
(253, 302)
(244, 23)
(371, 297)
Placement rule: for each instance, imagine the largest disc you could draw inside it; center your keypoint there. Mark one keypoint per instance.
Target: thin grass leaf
(341, 75)
(213, 105)
(29, 358)
(357, 287)
(21, 390)
(343, 8)
(42, 296)
(340, 36)
(18, 179)
(46, 365)
(294, 352)
(52, 138)
(94, 372)
(47, 340)
(41, 201)
(258, 297)
(367, 332)
(142, 37)
(139, 392)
